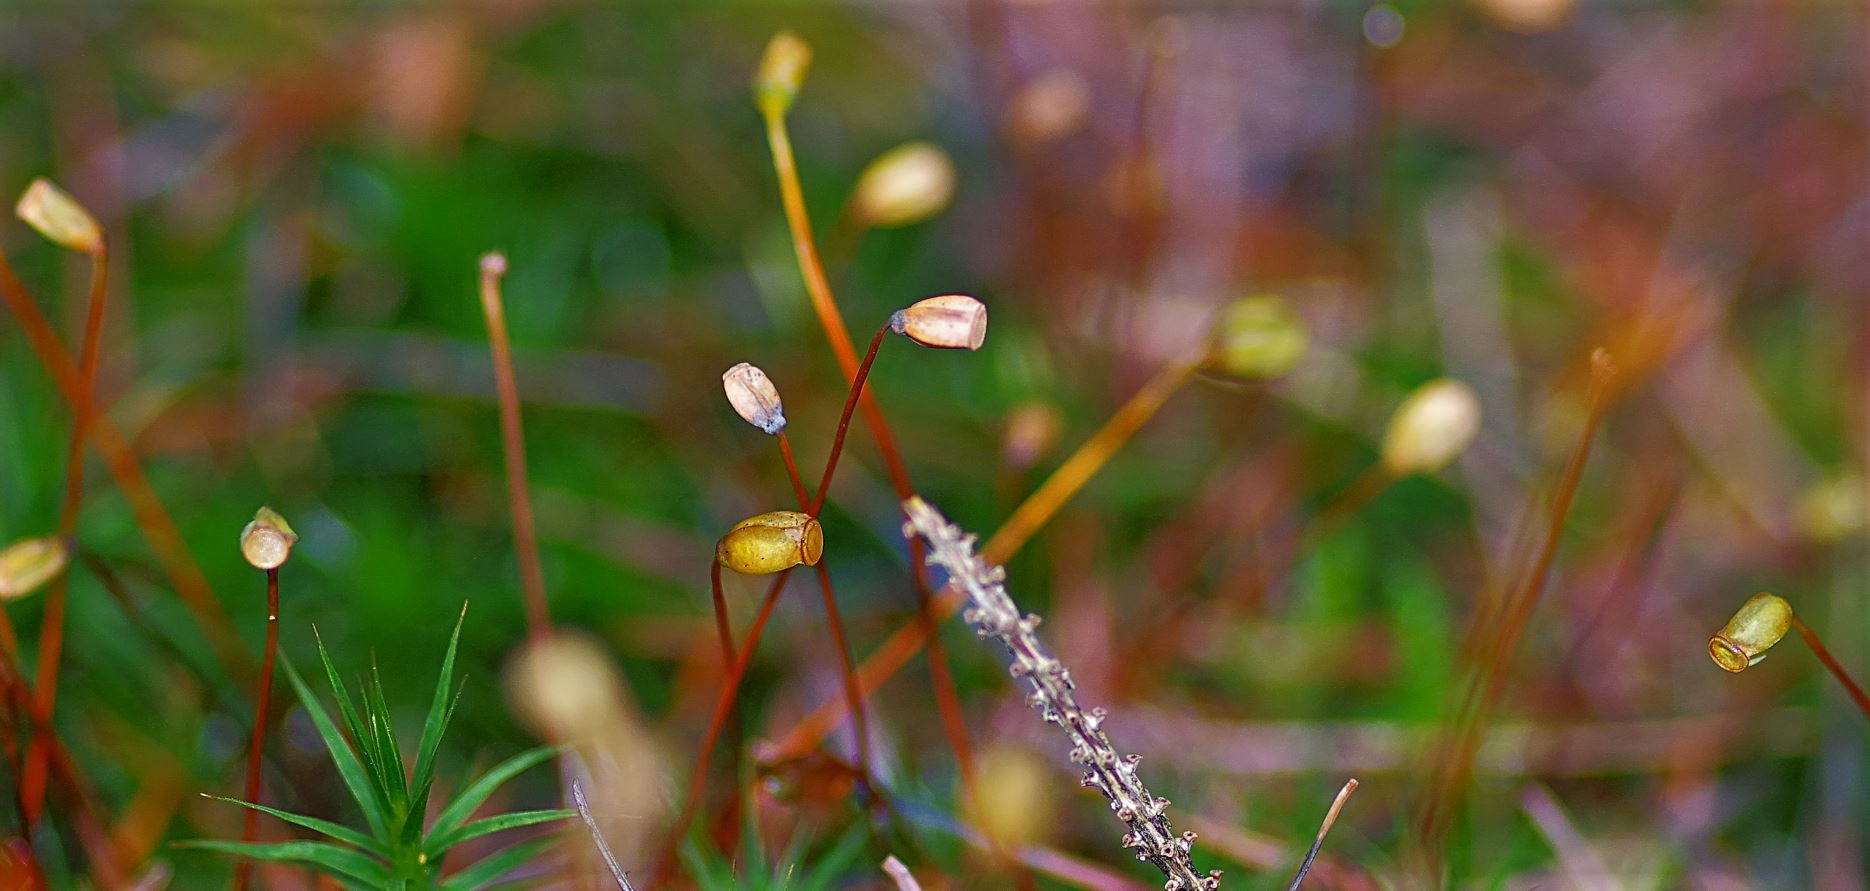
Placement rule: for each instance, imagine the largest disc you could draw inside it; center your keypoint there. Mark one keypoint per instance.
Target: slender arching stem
(792, 472)
(513, 443)
(844, 419)
(721, 627)
(1831, 663)
(52, 631)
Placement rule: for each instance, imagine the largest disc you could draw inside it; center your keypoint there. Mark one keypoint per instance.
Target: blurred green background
(296, 196)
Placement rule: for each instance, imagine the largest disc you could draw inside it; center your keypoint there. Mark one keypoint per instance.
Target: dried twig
(993, 614)
(1324, 828)
(597, 836)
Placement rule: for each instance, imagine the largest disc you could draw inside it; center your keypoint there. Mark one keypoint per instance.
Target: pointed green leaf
(342, 833)
(353, 724)
(378, 706)
(323, 856)
(441, 710)
(440, 844)
(489, 871)
(463, 806)
(349, 769)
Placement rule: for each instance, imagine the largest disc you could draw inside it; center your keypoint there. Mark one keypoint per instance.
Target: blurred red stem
(513, 442)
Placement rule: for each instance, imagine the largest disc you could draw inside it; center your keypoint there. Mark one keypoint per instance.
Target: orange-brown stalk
(152, 518)
(513, 444)
(263, 701)
(52, 630)
(792, 196)
(1025, 521)
(1831, 663)
(1455, 757)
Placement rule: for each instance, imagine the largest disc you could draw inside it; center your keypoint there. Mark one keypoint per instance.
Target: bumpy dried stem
(994, 615)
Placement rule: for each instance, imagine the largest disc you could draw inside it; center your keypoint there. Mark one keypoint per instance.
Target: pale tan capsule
(754, 397)
(59, 217)
(1431, 427)
(267, 541)
(1257, 338)
(1761, 622)
(1833, 509)
(907, 184)
(770, 542)
(28, 564)
(1018, 803)
(948, 322)
(1052, 106)
(782, 71)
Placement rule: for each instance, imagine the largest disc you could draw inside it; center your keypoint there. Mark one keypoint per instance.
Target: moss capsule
(771, 542)
(1761, 622)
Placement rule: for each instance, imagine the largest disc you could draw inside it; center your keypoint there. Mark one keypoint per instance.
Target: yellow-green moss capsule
(28, 564)
(782, 70)
(1432, 426)
(268, 540)
(1258, 338)
(771, 542)
(1761, 622)
(59, 217)
(907, 184)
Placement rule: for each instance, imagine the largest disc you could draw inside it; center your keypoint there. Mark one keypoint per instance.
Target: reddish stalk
(262, 704)
(723, 708)
(1455, 763)
(721, 626)
(1020, 526)
(184, 575)
(52, 631)
(857, 392)
(1837, 670)
(825, 306)
(792, 472)
(513, 443)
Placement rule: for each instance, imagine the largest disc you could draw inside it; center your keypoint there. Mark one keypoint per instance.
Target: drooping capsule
(28, 564)
(59, 217)
(1257, 338)
(907, 184)
(947, 322)
(754, 397)
(267, 541)
(1431, 426)
(1761, 622)
(771, 542)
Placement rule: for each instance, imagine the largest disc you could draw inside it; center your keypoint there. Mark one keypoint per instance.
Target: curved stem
(52, 631)
(721, 626)
(792, 472)
(844, 419)
(513, 443)
(1831, 663)
(853, 697)
(262, 704)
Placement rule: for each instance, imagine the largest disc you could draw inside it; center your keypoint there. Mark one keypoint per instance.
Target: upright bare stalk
(993, 614)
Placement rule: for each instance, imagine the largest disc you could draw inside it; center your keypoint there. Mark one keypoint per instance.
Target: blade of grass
(477, 792)
(441, 712)
(488, 872)
(336, 831)
(491, 825)
(350, 770)
(323, 855)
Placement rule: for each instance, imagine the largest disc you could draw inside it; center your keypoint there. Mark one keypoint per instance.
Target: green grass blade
(349, 768)
(463, 806)
(324, 827)
(441, 711)
(488, 871)
(323, 856)
(440, 844)
(353, 724)
(378, 706)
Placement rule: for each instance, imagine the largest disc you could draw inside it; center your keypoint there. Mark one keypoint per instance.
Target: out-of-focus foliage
(295, 196)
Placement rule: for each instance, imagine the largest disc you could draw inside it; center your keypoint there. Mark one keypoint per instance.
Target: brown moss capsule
(907, 184)
(782, 70)
(771, 542)
(948, 322)
(59, 217)
(754, 397)
(28, 564)
(268, 540)
(1761, 622)
(1431, 427)
(1257, 338)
